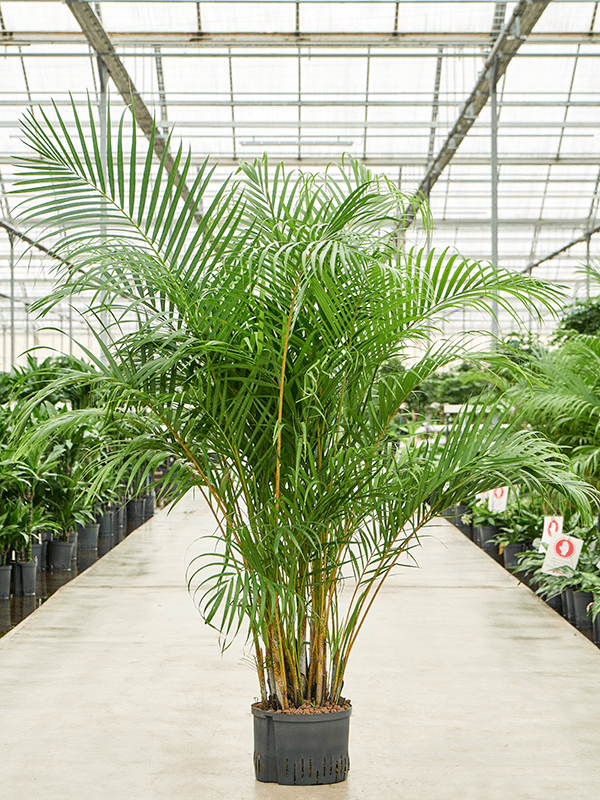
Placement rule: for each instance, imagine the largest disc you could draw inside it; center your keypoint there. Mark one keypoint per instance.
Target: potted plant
(523, 522)
(255, 365)
(486, 526)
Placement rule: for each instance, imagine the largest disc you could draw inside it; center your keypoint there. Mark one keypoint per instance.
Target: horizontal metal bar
(307, 53)
(292, 38)
(326, 103)
(310, 2)
(358, 127)
(392, 160)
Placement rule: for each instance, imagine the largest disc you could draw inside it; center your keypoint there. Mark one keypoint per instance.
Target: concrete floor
(464, 685)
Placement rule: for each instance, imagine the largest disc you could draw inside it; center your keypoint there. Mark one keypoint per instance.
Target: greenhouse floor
(464, 685)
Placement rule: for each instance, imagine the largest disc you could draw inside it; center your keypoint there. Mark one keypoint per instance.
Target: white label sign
(498, 498)
(563, 551)
(553, 527)
(481, 497)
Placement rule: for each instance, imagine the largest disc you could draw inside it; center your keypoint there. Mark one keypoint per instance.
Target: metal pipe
(11, 264)
(493, 77)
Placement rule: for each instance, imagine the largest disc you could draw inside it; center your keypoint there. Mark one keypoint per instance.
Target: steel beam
(525, 14)
(17, 234)
(585, 237)
(100, 41)
(394, 160)
(363, 39)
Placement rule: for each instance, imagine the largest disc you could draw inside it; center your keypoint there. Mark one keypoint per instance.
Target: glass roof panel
(347, 17)
(445, 17)
(566, 17)
(259, 17)
(37, 16)
(389, 101)
(154, 16)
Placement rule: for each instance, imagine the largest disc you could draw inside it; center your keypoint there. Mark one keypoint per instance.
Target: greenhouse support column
(11, 239)
(493, 76)
(587, 264)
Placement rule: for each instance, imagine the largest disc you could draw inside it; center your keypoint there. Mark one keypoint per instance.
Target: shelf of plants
(51, 525)
(514, 538)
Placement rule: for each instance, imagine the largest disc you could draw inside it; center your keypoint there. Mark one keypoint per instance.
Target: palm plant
(248, 348)
(558, 392)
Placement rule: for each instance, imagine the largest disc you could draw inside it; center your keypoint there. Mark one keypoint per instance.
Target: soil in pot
(301, 749)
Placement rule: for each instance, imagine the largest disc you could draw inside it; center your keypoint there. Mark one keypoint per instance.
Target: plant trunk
(278, 668)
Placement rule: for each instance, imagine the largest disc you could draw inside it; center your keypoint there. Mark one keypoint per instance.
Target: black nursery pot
(136, 513)
(23, 578)
(5, 576)
(509, 555)
(581, 600)
(60, 554)
(301, 749)
(88, 536)
(483, 535)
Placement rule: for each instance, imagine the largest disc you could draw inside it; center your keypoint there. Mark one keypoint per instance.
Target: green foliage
(256, 364)
(558, 392)
(581, 317)
(585, 578)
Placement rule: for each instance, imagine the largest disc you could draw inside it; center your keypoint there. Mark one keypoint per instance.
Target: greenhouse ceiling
(440, 96)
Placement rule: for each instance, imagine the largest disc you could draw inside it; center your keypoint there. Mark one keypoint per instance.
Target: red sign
(553, 527)
(564, 548)
(499, 492)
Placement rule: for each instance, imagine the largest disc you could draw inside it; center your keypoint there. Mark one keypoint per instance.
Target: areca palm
(558, 391)
(249, 349)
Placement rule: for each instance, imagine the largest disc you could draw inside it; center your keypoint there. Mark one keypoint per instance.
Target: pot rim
(304, 718)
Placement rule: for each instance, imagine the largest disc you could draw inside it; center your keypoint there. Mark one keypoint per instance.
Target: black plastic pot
(5, 576)
(150, 502)
(136, 513)
(568, 606)
(23, 578)
(483, 535)
(88, 537)
(60, 554)
(46, 537)
(596, 630)
(581, 601)
(105, 522)
(37, 548)
(106, 543)
(73, 538)
(301, 749)
(509, 554)
(120, 522)
(454, 515)
(555, 603)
